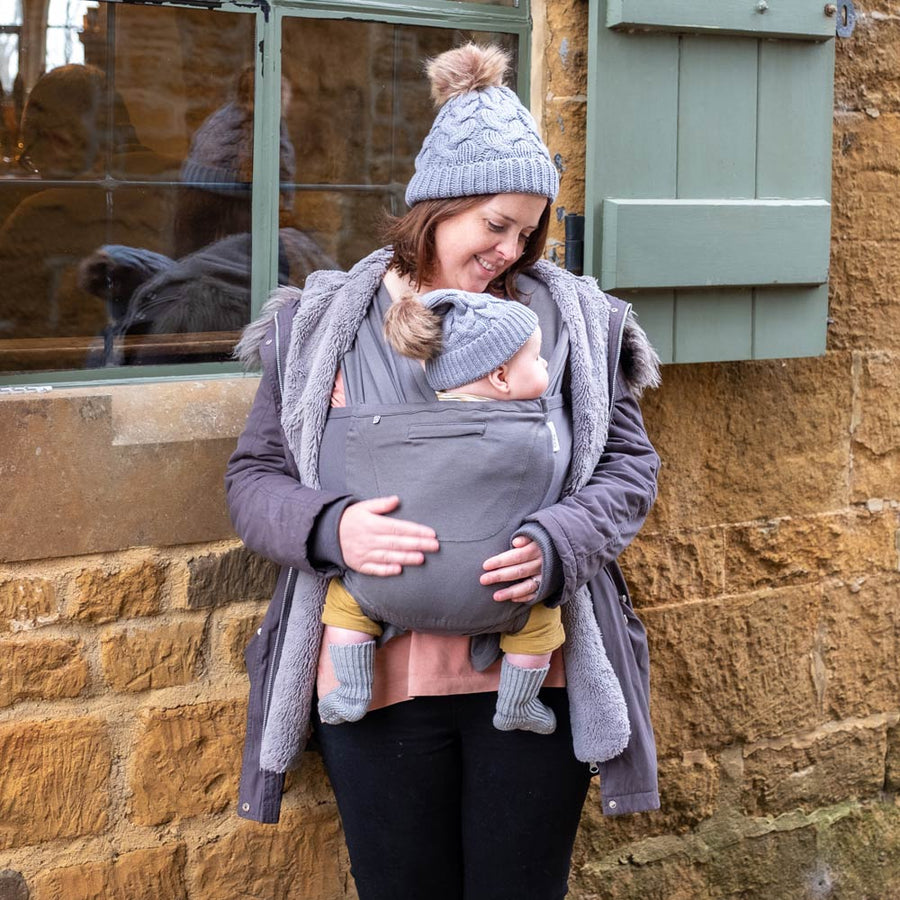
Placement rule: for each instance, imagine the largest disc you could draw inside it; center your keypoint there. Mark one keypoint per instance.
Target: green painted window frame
(269, 16)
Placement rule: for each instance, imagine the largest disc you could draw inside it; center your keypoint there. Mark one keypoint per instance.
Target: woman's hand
(522, 564)
(375, 544)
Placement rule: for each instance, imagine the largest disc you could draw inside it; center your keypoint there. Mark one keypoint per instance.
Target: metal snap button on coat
(613, 804)
(245, 807)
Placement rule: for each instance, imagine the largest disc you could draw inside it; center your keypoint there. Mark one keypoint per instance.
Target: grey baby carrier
(472, 471)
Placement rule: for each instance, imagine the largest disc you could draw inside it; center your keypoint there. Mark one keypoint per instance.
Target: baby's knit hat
(483, 140)
(480, 332)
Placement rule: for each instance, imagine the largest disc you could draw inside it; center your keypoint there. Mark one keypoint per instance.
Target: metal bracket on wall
(574, 258)
(845, 12)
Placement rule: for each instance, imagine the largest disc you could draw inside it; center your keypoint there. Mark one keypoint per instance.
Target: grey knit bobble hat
(483, 140)
(220, 159)
(480, 332)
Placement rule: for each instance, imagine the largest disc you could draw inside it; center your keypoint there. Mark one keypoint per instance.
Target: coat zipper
(278, 639)
(278, 358)
(279, 636)
(615, 368)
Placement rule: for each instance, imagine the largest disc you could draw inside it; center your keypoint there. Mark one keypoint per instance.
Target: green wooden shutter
(709, 171)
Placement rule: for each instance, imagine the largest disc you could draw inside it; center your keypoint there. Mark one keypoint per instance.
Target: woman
(435, 802)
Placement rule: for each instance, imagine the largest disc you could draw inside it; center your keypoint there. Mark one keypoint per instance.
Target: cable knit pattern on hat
(480, 332)
(483, 140)
(221, 153)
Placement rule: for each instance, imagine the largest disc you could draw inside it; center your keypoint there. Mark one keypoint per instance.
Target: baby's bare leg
(529, 660)
(342, 636)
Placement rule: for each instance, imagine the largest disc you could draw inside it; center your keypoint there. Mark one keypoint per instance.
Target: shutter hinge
(574, 260)
(845, 12)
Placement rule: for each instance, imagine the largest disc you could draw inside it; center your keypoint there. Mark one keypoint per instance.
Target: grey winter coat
(276, 502)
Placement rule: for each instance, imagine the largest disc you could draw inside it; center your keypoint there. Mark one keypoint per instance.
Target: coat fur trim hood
(247, 348)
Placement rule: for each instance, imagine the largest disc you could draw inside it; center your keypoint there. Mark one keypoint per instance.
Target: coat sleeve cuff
(550, 591)
(623, 804)
(324, 544)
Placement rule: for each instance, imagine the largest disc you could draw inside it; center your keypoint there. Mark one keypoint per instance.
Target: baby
(475, 347)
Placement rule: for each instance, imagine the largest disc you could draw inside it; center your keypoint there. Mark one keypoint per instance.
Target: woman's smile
(486, 265)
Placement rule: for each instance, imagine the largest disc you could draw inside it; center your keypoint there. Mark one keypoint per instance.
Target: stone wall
(767, 576)
(122, 702)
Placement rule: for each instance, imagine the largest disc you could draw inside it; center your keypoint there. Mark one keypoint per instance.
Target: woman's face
(475, 246)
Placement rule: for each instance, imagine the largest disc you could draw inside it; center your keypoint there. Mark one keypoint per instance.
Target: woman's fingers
(513, 565)
(380, 570)
(379, 505)
(376, 544)
(390, 526)
(520, 592)
(521, 565)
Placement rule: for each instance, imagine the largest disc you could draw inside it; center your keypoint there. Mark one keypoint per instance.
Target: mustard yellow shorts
(542, 633)
(343, 611)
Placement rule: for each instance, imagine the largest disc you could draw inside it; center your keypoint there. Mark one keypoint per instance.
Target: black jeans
(437, 804)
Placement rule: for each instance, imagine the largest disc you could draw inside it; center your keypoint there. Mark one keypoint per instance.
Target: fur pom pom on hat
(466, 69)
(483, 140)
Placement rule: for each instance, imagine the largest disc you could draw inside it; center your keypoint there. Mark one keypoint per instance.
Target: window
(65, 20)
(171, 165)
(10, 33)
(709, 173)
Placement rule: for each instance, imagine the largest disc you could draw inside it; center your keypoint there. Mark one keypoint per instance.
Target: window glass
(127, 166)
(65, 20)
(357, 108)
(10, 29)
(125, 209)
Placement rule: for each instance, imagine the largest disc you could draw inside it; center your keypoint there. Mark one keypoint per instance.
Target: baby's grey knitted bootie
(517, 704)
(354, 667)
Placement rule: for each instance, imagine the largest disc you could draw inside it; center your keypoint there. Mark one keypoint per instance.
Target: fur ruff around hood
(323, 328)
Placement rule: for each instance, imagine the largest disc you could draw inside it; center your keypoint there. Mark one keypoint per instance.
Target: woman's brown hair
(412, 238)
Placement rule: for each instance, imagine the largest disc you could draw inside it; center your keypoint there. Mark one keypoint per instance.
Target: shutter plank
(789, 322)
(712, 326)
(795, 120)
(799, 19)
(717, 84)
(640, 149)
(655, 311)
(699, 243)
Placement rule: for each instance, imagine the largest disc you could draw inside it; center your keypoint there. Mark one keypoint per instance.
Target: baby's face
(527, 372)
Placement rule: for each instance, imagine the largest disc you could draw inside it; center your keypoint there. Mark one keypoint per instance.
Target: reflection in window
(10, 83)
(359, 130)
(10, 32)
(94, 272)
(126, 182)
(65, 20)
